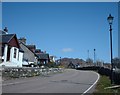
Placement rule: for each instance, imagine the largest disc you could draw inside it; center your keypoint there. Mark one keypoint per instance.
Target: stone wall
(8, 73)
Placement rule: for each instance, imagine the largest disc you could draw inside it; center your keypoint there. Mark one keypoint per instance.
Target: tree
(89, 61)
(116, 62)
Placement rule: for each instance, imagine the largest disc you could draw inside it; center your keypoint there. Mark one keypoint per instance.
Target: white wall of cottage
(20, 59)
(12, 59)
(5, 52)
(17, 61)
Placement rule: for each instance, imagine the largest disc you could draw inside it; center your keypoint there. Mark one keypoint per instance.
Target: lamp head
(110, 19)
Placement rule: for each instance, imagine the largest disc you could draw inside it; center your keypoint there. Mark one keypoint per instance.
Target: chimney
(23, 40)
(6, 30)
(44, 52)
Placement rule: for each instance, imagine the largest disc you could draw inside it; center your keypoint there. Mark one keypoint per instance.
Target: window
(2, 50)
(15, 52)
(18, 56)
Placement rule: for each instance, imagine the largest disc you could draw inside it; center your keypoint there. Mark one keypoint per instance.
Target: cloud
(67, 50)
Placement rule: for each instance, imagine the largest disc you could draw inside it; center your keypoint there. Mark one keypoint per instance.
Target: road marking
(92, 85)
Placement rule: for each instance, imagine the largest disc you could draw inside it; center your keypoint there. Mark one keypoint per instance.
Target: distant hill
(89, 62)
(66, 61)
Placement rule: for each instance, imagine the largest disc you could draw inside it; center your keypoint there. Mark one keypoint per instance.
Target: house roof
(28, 48)
(38, 51)
(10, 39)
(31, 46)
(2, 32)
(6, 38)
(43, 56)
(21, 50)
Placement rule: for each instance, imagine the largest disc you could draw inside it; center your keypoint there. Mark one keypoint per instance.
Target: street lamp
(110, 20)
(94, 57)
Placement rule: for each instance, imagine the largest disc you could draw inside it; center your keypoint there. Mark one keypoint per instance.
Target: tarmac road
(70, 81)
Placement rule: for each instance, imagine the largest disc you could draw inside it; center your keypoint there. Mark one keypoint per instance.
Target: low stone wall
(8, 73)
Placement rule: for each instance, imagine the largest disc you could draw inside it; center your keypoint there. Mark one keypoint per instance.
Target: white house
(11, 54)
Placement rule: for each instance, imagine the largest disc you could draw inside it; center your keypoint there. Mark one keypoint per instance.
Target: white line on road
(92, 85)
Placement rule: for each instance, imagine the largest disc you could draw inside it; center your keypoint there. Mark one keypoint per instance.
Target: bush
(104, 71)
(116, 76)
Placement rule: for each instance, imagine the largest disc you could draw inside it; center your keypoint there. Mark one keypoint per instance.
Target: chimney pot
(6, 29)
(23, 40)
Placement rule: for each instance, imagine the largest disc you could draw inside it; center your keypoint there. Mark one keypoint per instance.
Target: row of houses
(16, 53)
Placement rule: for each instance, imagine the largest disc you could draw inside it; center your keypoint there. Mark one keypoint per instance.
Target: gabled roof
(2, 32)
(38, 51)
(31, 46)
(43, 56)
(6, 38)
(10, 39)
(28, 48)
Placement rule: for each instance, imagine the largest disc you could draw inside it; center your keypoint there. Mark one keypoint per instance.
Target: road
(70, 81)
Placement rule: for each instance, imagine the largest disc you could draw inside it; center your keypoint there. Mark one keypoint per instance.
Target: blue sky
(64, 29)
(1, 15)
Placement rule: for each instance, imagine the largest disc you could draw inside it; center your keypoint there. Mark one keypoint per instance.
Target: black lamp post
(94, 57)
(110, 20)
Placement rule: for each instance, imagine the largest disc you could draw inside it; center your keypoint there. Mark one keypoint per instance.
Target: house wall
(12, 59)
(5, 52)
(15, 59)
(14, 43)
(27, 53)
(20, 59)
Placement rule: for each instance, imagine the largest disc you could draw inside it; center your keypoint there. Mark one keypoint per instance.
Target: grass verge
(104, 82)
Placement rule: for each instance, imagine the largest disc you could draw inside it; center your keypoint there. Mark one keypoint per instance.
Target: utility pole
(94, 56)
(88, 54)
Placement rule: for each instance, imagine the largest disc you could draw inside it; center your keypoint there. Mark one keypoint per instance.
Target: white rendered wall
(20, 59)
(5, 52)
(13, 62)
(12, 59)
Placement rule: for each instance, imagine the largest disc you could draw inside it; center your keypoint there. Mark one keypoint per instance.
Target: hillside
(66, 61)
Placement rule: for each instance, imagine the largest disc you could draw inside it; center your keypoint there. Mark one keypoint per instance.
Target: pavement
(70, 81)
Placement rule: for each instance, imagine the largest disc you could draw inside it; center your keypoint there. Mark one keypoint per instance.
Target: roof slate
(28, 48)
(2, 32)
(6, 38)
(31, 46)
(37, 50)
(43, 56)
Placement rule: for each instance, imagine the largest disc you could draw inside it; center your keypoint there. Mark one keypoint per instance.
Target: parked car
(25, 63)
(32, 64)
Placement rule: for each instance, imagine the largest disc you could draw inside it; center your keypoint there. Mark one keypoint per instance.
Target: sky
(119, 30)
(60, 0)
(64, 29)
(1, 15)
